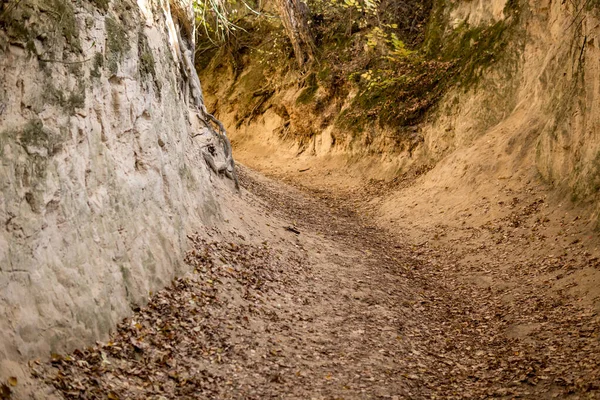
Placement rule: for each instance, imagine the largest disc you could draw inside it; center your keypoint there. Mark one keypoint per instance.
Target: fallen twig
(292, 229)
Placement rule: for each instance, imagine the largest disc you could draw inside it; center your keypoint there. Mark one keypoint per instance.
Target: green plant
(217, 18)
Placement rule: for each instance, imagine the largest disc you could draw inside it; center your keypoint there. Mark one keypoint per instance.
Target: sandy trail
(340, 310)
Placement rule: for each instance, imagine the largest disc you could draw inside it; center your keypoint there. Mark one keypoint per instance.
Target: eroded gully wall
(100, 179)
(533, 110)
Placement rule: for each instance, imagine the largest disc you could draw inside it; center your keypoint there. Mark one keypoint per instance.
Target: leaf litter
(346, 313)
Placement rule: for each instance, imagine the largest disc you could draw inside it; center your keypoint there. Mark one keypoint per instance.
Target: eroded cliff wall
(100, 178)
(524, 102)
(533, 115)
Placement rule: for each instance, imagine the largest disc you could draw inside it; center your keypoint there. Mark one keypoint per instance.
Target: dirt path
(340, 310)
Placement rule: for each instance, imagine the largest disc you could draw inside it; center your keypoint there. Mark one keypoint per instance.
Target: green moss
(68, 101)
(398, 93)
(98, 63)
(353, 122)
(251, 84)
(146, 64)
(434, 33)
(75, 100)
(65, 16)
(16, 28)
(472, 49)
(395, 89)
(76, 70)
(396, 97)
(475, 49)
(324, 74)
(33, 134)
(28, 20)
(101, 4)
(117, 43)
(127, 281)
(308, 94)
(590, 184)
(15, 21)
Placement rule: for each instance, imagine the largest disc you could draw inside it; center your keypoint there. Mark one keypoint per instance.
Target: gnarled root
(228, 169)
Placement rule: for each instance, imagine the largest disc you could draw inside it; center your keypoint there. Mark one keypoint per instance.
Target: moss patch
(187, 176)
(402, 61)
(53, 22)
(117, 43)
(67, 22)
(588, 184)
(97, 65)
(475, 49)
(146, 63)
(251, 95)
(308, 94)
(101, 4)
(472, 48)
(68, 101)
(397, 98)
(32, 136)
(399, 93)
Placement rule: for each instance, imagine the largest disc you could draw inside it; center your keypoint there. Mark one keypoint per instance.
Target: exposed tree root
(209, 120)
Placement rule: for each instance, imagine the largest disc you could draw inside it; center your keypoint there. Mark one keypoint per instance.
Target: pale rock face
(100, 178)
(477, 12)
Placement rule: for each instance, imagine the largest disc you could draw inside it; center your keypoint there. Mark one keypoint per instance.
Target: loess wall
(100, 178)
(535, 111)
(525, 102)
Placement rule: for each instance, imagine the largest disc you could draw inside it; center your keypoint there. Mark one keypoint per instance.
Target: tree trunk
(294, 16)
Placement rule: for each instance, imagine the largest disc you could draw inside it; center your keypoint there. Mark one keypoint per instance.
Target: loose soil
(323, 301)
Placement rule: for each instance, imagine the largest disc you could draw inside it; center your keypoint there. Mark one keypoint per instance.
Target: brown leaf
(5, 392)
(13, 381)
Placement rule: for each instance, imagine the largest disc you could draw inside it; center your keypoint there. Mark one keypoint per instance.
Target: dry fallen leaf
(13, 381)
(5, 392)
(237, 330)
